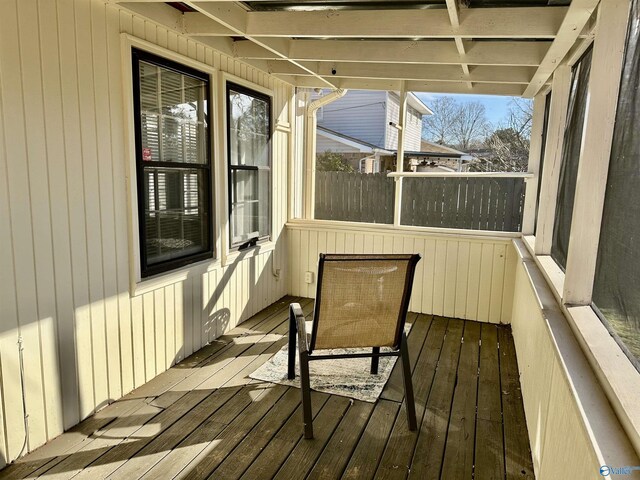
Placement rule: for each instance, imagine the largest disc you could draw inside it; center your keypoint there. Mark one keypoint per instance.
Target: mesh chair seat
(361, 301)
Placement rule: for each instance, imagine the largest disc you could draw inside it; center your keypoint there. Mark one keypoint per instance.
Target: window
(173, 165)
(615, 291)
(570, 158)
(249, 143)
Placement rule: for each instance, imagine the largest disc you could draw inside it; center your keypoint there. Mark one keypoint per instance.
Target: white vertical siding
(64, 287)
(457, 276)
(573, 430)
(413, 125)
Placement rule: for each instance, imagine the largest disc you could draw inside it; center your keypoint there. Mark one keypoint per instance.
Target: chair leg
(408, 385)
(293, 333)
(375, 361)
(305, 386)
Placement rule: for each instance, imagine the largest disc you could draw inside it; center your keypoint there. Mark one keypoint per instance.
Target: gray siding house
(368, 116)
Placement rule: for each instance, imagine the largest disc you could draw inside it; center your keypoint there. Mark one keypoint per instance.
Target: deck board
(205, 418)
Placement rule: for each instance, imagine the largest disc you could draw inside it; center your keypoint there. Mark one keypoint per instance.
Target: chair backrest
(362, 300)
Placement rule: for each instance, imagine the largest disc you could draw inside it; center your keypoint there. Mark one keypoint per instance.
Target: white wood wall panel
(457, 276)
(64, 287)
(572, 427)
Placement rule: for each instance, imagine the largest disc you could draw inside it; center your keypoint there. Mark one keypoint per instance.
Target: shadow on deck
(206, 418)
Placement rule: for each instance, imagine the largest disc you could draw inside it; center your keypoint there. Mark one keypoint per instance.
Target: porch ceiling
(503, 47)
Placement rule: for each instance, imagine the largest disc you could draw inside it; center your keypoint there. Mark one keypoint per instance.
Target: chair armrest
(301, 326)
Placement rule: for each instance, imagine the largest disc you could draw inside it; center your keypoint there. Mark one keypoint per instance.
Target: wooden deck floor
(205, 418)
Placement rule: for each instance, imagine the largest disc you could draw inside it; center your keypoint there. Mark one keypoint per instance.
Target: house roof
(362, 146)
(427, 146)
(499, 47)
(428, 149)
(419, 105)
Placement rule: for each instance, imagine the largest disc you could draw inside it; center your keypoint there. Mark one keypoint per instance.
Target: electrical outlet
(308, 277)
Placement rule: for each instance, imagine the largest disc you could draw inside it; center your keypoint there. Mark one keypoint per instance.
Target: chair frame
(298, 335)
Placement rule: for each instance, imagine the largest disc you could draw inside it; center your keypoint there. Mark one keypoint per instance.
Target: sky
(496, 105)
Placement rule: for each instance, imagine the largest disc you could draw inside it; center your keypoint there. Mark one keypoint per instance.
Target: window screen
(570, 159)
(249, 143)
(173, 165)
(545, 126)
(615, 292)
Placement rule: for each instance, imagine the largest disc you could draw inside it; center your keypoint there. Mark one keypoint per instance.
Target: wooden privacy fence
(480, 203)
(473, 203)
(354, 197)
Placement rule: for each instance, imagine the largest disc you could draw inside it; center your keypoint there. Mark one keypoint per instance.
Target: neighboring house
(367, 115)
(362, 156)
(436, 157)
(365, 121)
(361, 126)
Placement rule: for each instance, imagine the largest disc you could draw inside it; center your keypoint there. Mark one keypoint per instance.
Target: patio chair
(361, 302)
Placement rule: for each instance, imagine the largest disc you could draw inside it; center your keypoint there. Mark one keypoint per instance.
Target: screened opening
(173, 163)
(356, 144)
(615, 290)
(467, 134)
(249, 144)
(570, 158)
(356, 150)
(545, 126)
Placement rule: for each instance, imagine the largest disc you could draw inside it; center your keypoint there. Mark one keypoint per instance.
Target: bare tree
(439, 127)
(464, 125)
(471, 124)
(508, 145)
(454, 123)
(520, 117)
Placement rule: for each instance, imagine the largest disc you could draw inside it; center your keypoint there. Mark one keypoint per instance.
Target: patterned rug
(348, 377)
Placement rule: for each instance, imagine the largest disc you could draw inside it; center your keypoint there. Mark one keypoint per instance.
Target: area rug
(349, 377)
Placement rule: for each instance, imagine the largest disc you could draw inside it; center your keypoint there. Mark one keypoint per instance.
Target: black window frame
(232, 86)
(138, 55)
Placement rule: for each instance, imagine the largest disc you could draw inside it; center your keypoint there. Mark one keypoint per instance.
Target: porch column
(400, 154)
(552, 158)
(535, 152)
(595, 151)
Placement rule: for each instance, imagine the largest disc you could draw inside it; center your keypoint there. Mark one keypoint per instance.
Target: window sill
(549, 268)
(234, 255)
(616, 375)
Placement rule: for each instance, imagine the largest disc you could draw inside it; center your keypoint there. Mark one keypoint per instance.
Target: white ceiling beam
(438, 73)
(524, 22)
(453, 7)
(169, 17)
(423, 52)
(576, 18)
(234, 17)
(454, 13)
(412, 86)
(195, 23)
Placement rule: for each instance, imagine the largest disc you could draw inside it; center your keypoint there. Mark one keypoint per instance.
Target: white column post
(595, 151)
(552, 158)
(397, 205)
(535, 152)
